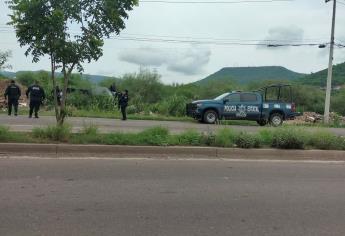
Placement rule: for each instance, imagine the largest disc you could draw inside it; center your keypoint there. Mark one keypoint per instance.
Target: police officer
(123, 103)
(58, 94)
(37, 96)
(112, 89)
(13, 94)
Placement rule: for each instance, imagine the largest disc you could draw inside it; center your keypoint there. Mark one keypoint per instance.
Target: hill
(320, 78)
(93, 78)
(244, 75)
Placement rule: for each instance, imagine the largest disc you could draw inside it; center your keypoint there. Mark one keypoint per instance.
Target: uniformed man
(58, 94)
(12, 93)
(112, 89)
(123, 103)
(37, 96)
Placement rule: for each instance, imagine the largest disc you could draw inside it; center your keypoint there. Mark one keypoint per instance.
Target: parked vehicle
(272, 104)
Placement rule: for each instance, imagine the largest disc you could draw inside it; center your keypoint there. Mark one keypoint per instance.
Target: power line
(190, 38)
(156, 40)
(234, 42)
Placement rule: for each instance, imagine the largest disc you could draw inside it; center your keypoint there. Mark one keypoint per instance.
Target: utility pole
(330, 66)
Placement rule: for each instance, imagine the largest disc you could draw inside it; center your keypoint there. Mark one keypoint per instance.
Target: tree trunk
(66, 76)
(56, 106)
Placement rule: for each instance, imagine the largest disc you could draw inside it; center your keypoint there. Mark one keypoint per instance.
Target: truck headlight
(198, 105)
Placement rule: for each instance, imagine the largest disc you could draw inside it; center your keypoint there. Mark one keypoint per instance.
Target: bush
(225, 138)
(245, 140)
(154, 136)
(189, 137)
(326, 141)
(289, 138)
(90, 129)
(54, 133)
(266, 136)
(172, 106)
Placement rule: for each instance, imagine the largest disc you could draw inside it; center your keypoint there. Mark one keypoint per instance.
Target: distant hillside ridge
(93, 78)
(245, 75)
(320, 78)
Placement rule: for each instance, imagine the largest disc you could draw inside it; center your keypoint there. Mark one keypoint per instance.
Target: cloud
(190, 61)
(283, 35)
(144, 57)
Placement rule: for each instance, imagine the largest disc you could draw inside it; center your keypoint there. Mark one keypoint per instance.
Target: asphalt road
(170, 197)
(23, 123)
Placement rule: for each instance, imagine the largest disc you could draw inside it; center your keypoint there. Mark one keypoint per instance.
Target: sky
(201, 35)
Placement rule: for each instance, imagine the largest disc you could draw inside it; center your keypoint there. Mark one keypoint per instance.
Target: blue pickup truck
(269, 105)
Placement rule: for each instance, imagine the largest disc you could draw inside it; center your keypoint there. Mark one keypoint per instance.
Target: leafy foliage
(70, 32)
(319, 79)
(4, 57)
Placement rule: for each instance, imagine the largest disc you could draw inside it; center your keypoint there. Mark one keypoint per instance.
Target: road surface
(170, 198)
(22, 123)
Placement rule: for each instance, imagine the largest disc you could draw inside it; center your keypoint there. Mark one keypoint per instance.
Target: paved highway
(22, 123)
(170, 197)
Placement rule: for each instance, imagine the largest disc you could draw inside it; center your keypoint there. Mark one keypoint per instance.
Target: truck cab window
(235, 97)
(249, 97)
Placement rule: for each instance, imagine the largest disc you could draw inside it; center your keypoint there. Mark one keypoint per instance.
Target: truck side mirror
(225, 101)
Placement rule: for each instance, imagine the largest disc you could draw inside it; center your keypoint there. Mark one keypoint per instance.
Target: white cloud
(283, 35)
(189, 61)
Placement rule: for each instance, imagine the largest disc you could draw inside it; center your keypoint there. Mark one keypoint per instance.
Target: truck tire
(262, 122)
(210, 117)
(276, 119)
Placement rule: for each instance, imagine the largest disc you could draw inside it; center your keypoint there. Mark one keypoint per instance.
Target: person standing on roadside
(58, 94)
(37, 96)
(123, 103)
(112, 89)
(12, 93)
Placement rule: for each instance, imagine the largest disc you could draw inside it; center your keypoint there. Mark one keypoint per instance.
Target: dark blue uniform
(37, 96)
(123, 103)
(12, 93)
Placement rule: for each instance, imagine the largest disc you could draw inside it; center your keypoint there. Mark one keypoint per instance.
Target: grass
(116, 115)
(280, 138)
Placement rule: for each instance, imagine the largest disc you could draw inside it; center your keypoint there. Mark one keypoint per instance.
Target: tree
(4, 56)
(70, 32)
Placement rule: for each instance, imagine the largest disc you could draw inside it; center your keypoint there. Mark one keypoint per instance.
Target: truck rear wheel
(210, 117)
(276, 119)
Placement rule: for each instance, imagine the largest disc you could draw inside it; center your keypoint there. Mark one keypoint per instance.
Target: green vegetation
(45, 31)
(319, 79)
(281, 138)
(151, 99)
(4, 57)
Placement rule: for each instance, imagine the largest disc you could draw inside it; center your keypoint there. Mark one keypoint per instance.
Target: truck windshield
(221, 97)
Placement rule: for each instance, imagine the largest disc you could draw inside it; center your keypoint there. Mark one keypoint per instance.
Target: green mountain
(320, 78)
(93, 78)
(244, 75)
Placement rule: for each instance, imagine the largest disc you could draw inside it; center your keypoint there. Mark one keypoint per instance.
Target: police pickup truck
(272, 104)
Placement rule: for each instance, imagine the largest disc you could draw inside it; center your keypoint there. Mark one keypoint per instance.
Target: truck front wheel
(210, 117)
(276, 119)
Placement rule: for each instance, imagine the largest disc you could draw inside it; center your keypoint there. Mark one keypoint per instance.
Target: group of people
(36, 95)
(34, 92)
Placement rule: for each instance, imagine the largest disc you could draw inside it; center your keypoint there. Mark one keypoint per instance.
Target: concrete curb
(106, 151)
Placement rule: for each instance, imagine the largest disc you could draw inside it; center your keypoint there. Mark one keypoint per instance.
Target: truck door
(249, 107)
(230, 105)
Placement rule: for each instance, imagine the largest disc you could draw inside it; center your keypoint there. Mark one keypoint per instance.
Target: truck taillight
(293, 107)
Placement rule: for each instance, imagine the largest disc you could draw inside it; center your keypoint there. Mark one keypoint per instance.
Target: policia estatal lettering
(12, 93)
(37, 96)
